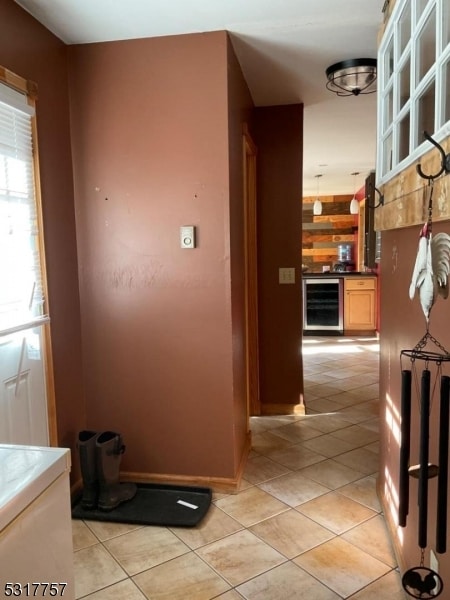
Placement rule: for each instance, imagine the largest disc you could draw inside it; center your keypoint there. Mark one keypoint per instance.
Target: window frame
(393, 58)
(30, 91)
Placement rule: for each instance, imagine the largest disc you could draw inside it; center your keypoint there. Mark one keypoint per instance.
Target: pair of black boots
(100, 455)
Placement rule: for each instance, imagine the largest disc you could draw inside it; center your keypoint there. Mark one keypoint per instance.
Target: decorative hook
(445, 160)
(380, 200)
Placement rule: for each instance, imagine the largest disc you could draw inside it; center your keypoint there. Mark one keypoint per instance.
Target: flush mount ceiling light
(352, 77)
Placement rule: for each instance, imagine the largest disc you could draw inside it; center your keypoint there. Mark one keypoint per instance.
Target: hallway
(306, 522)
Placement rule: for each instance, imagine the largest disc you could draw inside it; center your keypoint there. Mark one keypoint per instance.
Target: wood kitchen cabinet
(360, 304)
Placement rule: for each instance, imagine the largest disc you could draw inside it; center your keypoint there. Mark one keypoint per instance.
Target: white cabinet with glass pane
(412, 100)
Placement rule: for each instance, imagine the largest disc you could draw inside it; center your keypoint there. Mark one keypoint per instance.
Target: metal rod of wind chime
(423, 457)
(405, 430)
(444, 422)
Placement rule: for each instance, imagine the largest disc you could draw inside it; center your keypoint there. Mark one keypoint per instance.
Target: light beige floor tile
(105, 530)
(296, 457)
(124, 590)
(355, 415)
(261, 469)
(346, 398)
(331, 474)
(324, 405)
(316, 378)
(260, 424)
(94, 569)
(361, 460)
(322, 390)
(183, 578)
(373, 447)
(356, 435)
(297, 432)
(389, 586)
(372, 424)
(266, 442)
(372, 537)
(293, 489)
(286, 582)
(328, 445)
(82, 536)
(341, 566)
(328, 423)
(366, 390)
(145, 548)
(215, 525)
(363, 491)
(291, 533)
(231, 595)
(251, 506)
(336, 512)
(240, 557)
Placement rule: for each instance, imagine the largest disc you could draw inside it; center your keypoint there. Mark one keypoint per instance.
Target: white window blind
(21, 291)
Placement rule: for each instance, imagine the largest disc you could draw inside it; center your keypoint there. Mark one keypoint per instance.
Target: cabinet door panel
(359, 310)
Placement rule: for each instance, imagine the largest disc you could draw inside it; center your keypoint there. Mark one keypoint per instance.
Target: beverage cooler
(323, 305)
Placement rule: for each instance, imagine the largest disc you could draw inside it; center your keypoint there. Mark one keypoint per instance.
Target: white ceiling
(284, 48)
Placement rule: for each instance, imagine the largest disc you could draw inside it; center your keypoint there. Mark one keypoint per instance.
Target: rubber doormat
(154, 504)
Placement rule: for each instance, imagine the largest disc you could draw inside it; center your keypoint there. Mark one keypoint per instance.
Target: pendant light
(354, 204)
(317, 207)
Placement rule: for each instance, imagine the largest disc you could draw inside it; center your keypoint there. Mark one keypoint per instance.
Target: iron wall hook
(445, 161)
(380, 199)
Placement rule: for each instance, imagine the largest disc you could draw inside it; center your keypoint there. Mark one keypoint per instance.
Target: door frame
(251, 275)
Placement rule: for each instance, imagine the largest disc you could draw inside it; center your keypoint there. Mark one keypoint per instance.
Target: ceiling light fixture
(317, 207)
(354, 204)
(352, 77)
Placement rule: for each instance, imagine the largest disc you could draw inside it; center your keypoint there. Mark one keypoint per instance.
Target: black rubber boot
(109, 449)
(87, 452)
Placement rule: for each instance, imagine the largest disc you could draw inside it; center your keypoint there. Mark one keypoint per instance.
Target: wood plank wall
(323, 233)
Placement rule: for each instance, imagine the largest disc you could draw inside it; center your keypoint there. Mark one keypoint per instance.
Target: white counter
(35, 516)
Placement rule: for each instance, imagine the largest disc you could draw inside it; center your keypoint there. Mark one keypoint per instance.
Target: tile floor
(306, 522)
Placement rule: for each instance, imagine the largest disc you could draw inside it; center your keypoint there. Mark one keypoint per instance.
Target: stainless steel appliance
(323, 304)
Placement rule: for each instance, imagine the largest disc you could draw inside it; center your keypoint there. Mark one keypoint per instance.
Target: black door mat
(154, 504)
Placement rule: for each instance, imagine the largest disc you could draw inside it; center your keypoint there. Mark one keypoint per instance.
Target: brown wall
(156, 136)
(278, 133)
(28, 49)
(402, 326)
(161, 325)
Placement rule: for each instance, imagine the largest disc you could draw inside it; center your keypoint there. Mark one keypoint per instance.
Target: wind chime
(431, 279)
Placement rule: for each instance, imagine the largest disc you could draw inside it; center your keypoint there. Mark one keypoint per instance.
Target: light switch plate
(286, 275)
(187, 236)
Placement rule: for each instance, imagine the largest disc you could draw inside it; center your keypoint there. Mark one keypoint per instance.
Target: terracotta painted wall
(278, 133)
(150, 137)
(31, 51)
(402, 326)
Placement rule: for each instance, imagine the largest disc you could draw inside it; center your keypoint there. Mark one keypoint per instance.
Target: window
(21, 294)
(414, 71)
(25, 362)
